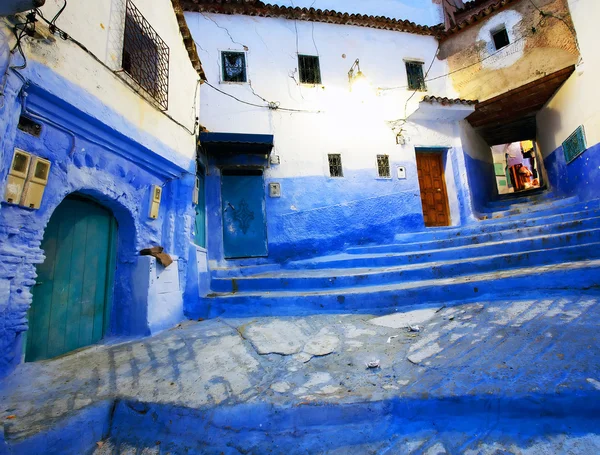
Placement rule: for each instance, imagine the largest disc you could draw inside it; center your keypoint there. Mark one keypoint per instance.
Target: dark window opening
(234, 66)
(29, 126)
(383, 166)
(335, 165)
(309, 68)
(414, 73)
(500, 38)
(145, 56)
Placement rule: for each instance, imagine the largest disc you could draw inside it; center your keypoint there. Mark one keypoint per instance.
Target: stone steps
(381, 299)
(342, 278)
(555, 246)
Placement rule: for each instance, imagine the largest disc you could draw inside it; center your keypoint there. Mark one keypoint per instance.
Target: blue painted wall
(317, 215)
(580, 178)
(482, 181)
(91, 158)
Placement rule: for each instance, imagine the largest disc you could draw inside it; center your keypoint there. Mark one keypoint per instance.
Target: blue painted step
(314, 280)
(545, 241)
(575, 212)
(530, 207)
(500, 235)
(507, 200)
(382, 299)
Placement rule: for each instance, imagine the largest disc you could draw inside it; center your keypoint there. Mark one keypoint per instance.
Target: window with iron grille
(145, 56)
(309, 68)
(383, 166)
(234, 66)
(414, 72)
(500, 37)
(335, 165)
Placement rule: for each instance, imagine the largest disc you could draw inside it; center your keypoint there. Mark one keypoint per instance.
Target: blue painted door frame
(73, 292)
(244, 214)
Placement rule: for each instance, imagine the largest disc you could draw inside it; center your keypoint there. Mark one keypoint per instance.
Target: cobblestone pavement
(518, 376)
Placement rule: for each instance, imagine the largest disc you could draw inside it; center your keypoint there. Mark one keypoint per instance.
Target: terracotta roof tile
(261, 9)
(476, 17)
(188, 41)
(448, 101)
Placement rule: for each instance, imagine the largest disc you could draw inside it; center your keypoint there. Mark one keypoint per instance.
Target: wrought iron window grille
(309, 69)
(383, 166)
(145, 56)
(234, 66)
(335, 165)
(416, 79)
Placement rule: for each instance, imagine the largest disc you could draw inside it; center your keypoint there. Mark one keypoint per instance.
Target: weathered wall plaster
(481, 72)
(108, 143)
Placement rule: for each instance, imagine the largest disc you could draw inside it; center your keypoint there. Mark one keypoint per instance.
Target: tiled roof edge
(449, 101)
(188, 41)
(259, 8)
(475, 18)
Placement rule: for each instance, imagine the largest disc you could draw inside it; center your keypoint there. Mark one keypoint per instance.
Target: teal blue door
(244, 218)
(200, 221)
(73, 291)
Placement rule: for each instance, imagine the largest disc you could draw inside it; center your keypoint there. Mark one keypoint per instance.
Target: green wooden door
(73, 291)
(200, 221)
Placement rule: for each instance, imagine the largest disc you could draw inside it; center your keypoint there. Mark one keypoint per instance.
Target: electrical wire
(65, 36)
(272, 105)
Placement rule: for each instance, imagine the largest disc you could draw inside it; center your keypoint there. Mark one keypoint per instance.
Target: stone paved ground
(526, 363)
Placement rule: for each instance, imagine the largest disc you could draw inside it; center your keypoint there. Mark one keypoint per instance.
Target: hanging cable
(272, 105)
(65, 36)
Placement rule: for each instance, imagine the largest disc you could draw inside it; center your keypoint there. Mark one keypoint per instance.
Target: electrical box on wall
(196, 190)
(401, 172)
(275, 189)
(275, 159)
(17, 176)
(36, 183)
(155, 196)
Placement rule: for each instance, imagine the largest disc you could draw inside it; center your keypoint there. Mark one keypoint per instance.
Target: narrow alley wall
(575, 104)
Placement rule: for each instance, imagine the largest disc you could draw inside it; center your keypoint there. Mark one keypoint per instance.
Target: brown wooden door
(433, 189)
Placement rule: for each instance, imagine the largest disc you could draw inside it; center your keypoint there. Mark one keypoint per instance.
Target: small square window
(500, 38)
(383, 166)
(309, 68)
(234, 66)
(414, 73)
(335, 166)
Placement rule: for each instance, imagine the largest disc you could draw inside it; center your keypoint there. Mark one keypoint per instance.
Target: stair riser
(482, 238)
(482, 227)
(385, 301)
(535, 199)
(527, 259)
(530, 207)
(450, 254)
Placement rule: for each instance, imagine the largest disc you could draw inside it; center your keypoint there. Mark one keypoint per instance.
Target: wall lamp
(358, 81)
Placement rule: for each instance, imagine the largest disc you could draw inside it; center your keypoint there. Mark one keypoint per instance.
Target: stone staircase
(525, 246)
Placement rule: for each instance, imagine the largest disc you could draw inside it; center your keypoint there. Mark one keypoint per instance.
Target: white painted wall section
(578, 100)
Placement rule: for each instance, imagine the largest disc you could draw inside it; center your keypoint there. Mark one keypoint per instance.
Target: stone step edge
(413, 285)
(375, 270)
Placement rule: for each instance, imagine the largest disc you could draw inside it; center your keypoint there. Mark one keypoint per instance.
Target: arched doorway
(73, 292)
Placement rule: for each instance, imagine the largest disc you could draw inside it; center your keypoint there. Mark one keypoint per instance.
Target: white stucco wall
(98, 26)
(335, 120)
(578, 100)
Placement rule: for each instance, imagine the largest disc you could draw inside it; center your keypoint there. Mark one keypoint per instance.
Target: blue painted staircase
(524, 246)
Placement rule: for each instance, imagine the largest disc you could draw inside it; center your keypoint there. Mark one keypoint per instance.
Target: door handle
(232, 207)
(439, 190)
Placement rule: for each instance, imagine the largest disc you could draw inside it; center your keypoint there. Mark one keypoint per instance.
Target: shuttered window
(414, 73)
(309, 68)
